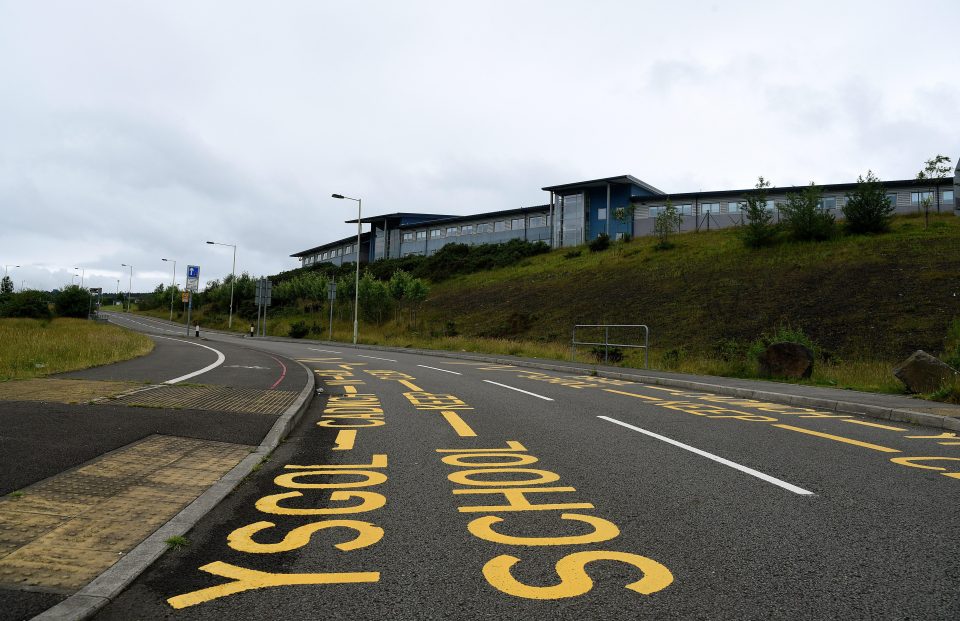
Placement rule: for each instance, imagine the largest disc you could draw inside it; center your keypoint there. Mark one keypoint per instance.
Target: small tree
(398, 285)
(805, 217)
(6, 285)
(936, 169)
(868, 210)
(72, 302)
(667, 222)
(416, 293)
(759, 229)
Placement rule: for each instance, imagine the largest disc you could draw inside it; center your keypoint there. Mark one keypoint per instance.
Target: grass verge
(33, 348)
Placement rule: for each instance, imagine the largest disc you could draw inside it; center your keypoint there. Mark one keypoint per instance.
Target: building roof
(830, 187)
(478, 216)
(364, 237)
(597, 183)
(401, 216)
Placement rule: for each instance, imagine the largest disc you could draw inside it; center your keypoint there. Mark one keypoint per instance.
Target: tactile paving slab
(216, 398)
(62, 390)
(60, 533)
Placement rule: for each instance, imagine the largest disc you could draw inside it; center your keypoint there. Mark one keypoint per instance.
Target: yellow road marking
(462, 428)
(878, 426)
(676, 392)
(875, 447)
(350, 390)
(413, 387)
(345, 439)
(630, 394)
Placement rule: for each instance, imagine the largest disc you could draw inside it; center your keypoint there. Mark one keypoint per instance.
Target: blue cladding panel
(619, 199)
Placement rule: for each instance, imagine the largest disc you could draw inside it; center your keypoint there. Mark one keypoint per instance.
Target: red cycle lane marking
(283, 373)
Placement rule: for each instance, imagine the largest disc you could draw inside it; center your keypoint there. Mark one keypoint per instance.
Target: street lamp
(233, 278)
(82, 272)
(356, 284)
(129, 284)
(173, 283)
(6, 268)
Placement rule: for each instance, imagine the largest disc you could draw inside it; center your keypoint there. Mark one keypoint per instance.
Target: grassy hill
(867, 298)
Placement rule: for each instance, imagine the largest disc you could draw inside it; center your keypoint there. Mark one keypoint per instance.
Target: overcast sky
(135, 131)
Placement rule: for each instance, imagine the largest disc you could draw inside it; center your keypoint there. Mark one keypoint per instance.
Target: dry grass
(33, 348)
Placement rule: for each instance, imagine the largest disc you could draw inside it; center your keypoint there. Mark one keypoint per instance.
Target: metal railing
(606, 344)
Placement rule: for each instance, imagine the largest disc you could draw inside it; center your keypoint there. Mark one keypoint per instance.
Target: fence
(606, 344)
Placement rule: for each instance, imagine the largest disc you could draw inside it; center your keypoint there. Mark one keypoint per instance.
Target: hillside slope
(875, 298)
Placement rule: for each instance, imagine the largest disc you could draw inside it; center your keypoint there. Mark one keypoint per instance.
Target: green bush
(804, 216)
(601, 243)
(299, 329)
(72, 301)
(782, 334)
(868, 210)
(951, 351)
(32, 304)
(759, 229)
(572, 254)
(610, 354)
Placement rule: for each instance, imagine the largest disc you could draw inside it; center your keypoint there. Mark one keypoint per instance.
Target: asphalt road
(468, 491)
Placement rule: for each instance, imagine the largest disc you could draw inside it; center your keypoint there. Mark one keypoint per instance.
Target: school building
(579, 212)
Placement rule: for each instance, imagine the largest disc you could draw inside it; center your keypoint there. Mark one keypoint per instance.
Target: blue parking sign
(193, 271)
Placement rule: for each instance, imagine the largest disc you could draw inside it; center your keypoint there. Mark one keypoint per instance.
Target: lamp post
(233, 278)
(82, 272)
(118, 290)
(356, 283)
(173, 283)
(129, 284)
(6, 268)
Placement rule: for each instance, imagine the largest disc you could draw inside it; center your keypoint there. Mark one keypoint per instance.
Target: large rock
(791, 360)
(921, 372)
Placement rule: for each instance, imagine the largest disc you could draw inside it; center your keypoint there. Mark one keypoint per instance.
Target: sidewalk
(99, 473)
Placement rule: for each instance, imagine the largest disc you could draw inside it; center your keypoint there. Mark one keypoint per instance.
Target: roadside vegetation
(34, 347)
(863, 292)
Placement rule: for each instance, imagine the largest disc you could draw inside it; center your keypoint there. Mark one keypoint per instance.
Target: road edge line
(89, 600)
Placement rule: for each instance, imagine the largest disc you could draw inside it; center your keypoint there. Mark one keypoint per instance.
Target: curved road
(426, 487)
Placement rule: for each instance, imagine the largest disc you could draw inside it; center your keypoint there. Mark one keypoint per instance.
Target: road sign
(264, 292)
(96, 290)
(185, 296)
(193, 278)
(332, 291)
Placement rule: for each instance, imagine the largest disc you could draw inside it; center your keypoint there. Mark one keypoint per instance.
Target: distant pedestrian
(197, 328)
(251, 330)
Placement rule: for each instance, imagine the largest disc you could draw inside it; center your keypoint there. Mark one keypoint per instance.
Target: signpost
(193, 285)
(332, 296)
(98, 291)
(264, 298)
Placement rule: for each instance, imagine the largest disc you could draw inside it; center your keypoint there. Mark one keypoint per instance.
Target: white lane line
(210, 367)
(326, 351)
(145, 325)
(532, 394)
(725, 462)
(375, 358)
(436, 369)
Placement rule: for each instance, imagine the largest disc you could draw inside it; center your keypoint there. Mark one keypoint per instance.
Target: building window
(917, 197)
(620, 236)
(685, 209)
(655, 210)
(421, 234)
(500, 226)
(538, 221)
(892, 198)
(436, 233)
(602, 213)
(517, 224)
(408, 236)
(452, 231)
(710, 208)
(948, 195)
(323, 257)
(771, 205)
(466, 229)
(735, 207)
(828, 203)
